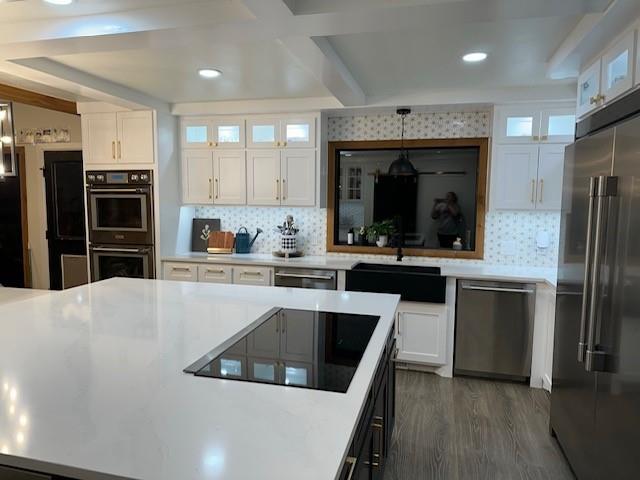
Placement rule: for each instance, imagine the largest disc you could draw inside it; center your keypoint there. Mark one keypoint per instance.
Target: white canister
(288, 244)
(350, 238)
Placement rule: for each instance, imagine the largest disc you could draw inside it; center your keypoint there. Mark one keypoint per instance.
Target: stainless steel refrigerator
(595, 401)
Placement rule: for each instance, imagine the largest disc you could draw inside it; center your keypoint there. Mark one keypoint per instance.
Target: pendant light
(402, 165)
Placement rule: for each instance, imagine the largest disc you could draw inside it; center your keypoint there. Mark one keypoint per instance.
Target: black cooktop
(297, 348)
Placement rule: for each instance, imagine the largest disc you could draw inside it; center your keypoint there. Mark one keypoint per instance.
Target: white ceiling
(250, 71)
(355, 52)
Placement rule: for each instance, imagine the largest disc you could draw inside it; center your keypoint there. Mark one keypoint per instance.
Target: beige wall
(26, 116)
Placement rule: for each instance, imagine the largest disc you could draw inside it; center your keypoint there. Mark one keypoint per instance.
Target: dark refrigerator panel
(617, 419)
(573, 404)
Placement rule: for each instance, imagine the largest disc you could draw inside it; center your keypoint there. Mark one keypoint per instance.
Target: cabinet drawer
(215, 273)
(252, 275)
(187, 272)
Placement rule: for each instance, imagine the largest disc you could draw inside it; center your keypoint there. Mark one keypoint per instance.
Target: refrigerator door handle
(582, 343)
(606, 189)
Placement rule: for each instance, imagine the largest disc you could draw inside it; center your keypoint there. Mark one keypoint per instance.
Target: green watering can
(244, 242)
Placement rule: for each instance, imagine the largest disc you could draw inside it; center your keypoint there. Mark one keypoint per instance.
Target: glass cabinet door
(617, 68)
(264, 132)
(196, 133)
(589, 89)
(518, 125)
(299, 131)
(558, 125)
(228, 133)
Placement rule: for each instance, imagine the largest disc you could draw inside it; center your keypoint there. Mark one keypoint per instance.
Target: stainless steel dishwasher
(494, 329)
(306, 278)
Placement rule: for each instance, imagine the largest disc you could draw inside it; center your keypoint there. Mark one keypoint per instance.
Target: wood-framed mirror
(435, 209)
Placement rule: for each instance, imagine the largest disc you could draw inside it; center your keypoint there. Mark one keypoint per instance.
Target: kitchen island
(93, 385)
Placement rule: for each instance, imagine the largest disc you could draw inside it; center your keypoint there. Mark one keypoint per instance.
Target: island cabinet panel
(368, 453)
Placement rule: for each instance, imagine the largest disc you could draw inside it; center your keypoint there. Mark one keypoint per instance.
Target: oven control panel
(129, 177)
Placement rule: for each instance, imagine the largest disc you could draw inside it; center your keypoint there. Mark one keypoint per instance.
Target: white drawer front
(252, 275)
(215, 273)
(187, 272)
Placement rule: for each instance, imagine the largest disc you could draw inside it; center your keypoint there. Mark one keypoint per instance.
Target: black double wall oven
(121, 224)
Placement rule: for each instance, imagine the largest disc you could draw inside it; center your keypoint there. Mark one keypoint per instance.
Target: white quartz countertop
(91, 381)
(9, 295)
(478, 271)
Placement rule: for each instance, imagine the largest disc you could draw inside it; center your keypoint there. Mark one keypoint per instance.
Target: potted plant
(362, 235)
(382, 230)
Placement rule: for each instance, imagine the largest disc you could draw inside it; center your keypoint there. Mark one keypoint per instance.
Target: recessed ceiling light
(209, 73)
(59, 2)
(474, 57)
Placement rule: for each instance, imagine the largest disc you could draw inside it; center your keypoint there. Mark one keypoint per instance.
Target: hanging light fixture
(402, 165)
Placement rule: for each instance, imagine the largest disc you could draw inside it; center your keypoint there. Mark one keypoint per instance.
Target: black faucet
(399, 237)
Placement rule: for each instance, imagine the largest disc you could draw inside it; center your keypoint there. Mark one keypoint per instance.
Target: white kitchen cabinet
(212, 132)
(135, 137)
(196, 133)
(617, 67)
(217, 177)
(264, 132)
(215, 273)
(515, 176)
(421, 333)
(298, 177)
(197, 177)
(118, 138)
(186, 272)
(519, 124)
(263, 177)
(229, 177)
(558, 125)
(298, 131)
(264, 341)
(589, 89)
(550, 174)
(99, 135)
(297, 339)
(527, 177)
(261, 276)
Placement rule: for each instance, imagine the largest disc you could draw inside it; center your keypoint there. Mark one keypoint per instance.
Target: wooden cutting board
(221, 242)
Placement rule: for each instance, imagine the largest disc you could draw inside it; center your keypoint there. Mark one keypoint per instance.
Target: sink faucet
(399, 237)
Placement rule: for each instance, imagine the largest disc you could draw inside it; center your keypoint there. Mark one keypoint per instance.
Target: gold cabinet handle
(544, 137)
(284, 189)
(536, 138)
(533, 191)
(210, 144)
(541, 188)
(210, 190)
(352, 462)
(285, 144)
(277, 189)
(113, 149)
(217, 188)
(119, 149)
(593, 100)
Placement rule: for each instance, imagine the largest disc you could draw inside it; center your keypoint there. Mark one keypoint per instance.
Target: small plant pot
(288, 244)
(382, 241)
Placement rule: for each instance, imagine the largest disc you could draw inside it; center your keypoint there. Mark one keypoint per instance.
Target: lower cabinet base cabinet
(421, 330)
(369, 451)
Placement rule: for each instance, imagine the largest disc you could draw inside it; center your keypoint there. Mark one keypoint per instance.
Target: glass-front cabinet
(617, 67)
(299, 131)
(535, 123)
(589, 89)
(221, 132)
(282, 132)
(264, 132)
(558, 125)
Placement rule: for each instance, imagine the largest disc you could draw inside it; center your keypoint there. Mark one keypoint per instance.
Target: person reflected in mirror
(446, 211)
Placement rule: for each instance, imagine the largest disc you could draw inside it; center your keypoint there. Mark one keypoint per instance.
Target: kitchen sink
(412, 283)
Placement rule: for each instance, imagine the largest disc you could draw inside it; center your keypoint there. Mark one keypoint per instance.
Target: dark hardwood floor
(465, 428)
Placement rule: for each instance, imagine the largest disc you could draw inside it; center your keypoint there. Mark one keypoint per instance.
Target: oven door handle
(118, 190)
(120, 250)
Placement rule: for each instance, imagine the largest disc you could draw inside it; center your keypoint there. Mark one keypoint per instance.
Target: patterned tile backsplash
(418, 125)
(510, 237)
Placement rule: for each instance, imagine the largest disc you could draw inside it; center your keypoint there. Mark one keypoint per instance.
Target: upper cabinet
(118, 138)
(611, 75)
(281, 132)
(205, 133)
(531, 124)
(277, 167)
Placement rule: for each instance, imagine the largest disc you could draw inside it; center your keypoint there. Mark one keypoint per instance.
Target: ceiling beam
(14, 94)
(47, 71)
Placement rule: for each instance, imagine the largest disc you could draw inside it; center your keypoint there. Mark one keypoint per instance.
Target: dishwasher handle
(497, 289)
(303, 275)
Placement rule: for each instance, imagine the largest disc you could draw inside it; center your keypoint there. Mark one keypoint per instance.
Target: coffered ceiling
(339, 52)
